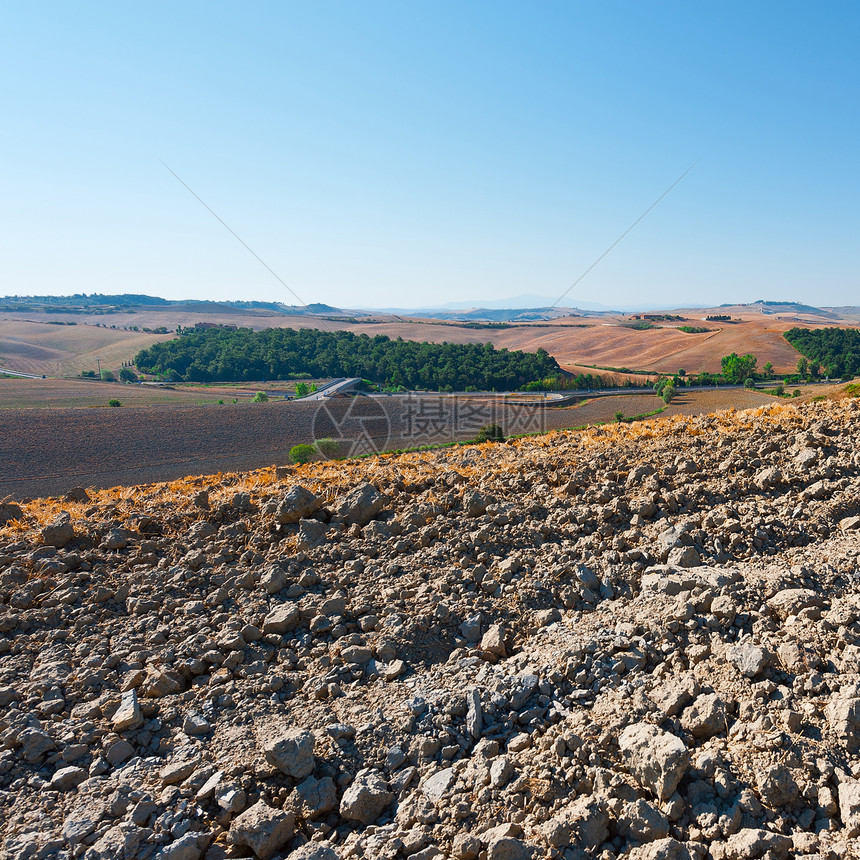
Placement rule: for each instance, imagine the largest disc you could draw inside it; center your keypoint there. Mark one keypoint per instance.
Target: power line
(256, 256)
(555, 304)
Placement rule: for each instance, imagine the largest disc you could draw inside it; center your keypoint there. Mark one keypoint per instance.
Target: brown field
(63, 393)
(47, 451)
(66, 350)
(576, 342)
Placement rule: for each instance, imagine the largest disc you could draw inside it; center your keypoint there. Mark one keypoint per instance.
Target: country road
(4, 370)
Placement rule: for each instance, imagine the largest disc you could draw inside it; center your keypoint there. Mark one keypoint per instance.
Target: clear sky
(414, 153)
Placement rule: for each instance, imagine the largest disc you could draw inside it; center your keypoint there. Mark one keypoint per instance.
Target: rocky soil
(633, 641)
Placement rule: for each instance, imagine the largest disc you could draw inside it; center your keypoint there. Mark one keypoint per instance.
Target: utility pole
(98, 362)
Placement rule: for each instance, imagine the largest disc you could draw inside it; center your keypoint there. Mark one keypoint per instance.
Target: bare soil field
(48, 451)
(634, 642)
(575, 342)
(66, 350)
(64, 393)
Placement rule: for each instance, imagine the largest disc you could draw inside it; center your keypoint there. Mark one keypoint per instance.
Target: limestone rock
(263, 829)
(360, 505)
(657, 759)
(748, 658)
(291, 751)
(297, 504)
(127, 715)
(365, 798)
(60, 532)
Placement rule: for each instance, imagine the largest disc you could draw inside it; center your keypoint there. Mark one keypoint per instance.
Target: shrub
(853, 390)
(303, 453)
(220, 402)
(328, 448)
(107, 376)
(88, 374)
(490, 433)
(114, 403)
(749, 382)
(619, 417)
(127, 375)
(668, 393)
(796, 392)
(260, 397)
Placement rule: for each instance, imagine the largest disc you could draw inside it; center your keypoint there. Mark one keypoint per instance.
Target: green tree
(736, 368)
(260, 397)
(303, 453)
(668, 393)
(114, 403)
(127, 375)
(328, 448)
(802, 366)
(490, 433)
(768, 370)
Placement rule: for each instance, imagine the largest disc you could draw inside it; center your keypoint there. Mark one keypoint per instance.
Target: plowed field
(47, 451)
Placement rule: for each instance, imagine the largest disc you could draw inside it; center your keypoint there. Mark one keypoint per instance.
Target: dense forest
(242, 355)
(835, 350)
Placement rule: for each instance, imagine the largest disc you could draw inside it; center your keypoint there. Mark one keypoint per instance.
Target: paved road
(22, 375)
(336, 386)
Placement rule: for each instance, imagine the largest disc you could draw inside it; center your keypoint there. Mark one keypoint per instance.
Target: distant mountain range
(522, 308)
(99, 303)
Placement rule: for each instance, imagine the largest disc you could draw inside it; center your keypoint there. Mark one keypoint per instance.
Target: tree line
(243, 355)
(834, 352)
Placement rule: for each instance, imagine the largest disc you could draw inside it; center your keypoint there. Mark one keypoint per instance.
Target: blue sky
(414, 153)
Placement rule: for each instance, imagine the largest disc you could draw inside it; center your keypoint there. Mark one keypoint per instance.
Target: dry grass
(61, 350)
(574, 342)
(329, 479)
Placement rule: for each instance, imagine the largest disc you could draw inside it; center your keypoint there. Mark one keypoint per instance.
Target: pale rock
(127, 715)
(843, 717)
(263, 829)
(509, 848)
(643, 822)
(849, 806)
(791, 601)
(748, 658)
(60, 532)
(706, 717)
(297, 504)
(436, 786)
(184, 848)
(67, 778)
(474, 713)
(585, 823)
(282, 619)
(493, 641)
(313, 851)
(360, 505)
(684, 556)
(668, 849)
(657, 759)
(291, 751)
(316, 796)
(365, 798)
